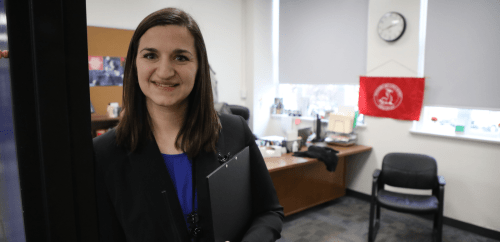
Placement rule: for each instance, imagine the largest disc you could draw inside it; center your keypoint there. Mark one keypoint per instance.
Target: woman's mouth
(168, 87)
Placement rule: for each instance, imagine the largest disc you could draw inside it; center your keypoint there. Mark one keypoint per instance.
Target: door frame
(50, 99)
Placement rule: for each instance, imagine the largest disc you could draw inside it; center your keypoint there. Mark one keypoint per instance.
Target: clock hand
(388, 26)
(394, 22)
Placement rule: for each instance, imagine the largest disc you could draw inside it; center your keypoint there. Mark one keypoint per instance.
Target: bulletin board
(107, 42)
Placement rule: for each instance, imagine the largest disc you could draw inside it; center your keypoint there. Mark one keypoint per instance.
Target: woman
(168, 135)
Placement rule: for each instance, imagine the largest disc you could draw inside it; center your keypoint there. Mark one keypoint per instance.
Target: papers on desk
(340, 124)
(343, 122)
(274, 146)
(272, 151)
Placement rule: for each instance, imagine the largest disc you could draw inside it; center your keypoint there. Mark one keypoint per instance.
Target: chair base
(436, 237)
(374, 227)
(373, 234)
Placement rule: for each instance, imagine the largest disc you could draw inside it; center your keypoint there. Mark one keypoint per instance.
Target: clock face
(391, 26)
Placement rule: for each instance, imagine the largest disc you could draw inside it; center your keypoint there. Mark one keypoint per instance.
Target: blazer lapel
(158, 188)
(159, 191)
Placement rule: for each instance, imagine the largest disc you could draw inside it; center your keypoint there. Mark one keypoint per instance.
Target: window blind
(322, 42)
(462, 55)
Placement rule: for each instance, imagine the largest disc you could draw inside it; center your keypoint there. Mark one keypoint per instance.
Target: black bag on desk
(325, 154)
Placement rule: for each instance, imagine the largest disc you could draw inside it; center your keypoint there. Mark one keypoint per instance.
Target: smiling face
(166, 66)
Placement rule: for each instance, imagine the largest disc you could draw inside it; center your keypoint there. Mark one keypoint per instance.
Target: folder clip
(223, 159)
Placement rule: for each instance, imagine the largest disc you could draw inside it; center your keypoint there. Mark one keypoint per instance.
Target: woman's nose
(165, 69)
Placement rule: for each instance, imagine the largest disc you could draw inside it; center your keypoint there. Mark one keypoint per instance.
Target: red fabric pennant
(391, 97)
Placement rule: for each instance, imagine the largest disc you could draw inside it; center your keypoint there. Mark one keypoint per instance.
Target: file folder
(230, 197)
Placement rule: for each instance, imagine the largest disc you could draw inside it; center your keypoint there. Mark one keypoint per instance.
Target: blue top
(179, 168)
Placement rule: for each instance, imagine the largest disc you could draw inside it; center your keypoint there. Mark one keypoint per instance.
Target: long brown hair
(201, 124)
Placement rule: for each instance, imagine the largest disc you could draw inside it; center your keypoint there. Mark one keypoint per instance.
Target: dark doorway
(49, 111)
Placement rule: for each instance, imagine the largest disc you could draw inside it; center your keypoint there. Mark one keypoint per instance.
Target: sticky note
(459, 128)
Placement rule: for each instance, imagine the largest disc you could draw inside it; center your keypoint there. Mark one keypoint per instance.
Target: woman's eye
(149, 56)
(181, 58)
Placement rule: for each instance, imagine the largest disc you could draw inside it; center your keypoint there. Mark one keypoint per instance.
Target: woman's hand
(4, 54)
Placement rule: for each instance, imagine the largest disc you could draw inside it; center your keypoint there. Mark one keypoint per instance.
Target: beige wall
(259, 63)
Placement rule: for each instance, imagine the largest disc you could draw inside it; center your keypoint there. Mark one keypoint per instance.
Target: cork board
(107, 42)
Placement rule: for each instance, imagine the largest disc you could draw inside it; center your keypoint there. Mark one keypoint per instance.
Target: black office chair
(243, 112)
(234, 109)
(407, 171)
(240, 110)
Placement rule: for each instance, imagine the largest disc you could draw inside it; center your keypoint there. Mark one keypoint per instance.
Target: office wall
(220, 21)
(469, 167)
(238, 36)
(259, 63)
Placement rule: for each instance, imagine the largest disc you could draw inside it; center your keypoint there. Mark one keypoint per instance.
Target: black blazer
(131, 203)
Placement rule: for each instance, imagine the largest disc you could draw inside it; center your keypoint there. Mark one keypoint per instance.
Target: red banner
(391, 97)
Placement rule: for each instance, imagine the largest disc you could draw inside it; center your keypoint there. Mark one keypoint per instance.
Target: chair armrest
(376, 173)
(440, 193)
(441, 180)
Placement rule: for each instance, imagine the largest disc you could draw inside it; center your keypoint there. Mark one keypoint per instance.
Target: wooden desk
(302, 183)
(102, 122)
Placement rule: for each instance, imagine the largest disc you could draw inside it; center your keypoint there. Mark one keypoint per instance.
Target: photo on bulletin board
(92, 110)
(106, 71)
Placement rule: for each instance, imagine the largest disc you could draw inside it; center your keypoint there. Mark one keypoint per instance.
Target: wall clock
(391, 26)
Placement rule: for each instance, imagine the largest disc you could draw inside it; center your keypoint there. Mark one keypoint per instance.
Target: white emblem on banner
(388, 96)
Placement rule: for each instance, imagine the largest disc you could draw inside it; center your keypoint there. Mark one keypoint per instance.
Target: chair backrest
(240, 110)
(408, 170)
(222, 108)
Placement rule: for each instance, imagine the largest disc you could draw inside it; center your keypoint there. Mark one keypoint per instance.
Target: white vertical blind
(462, 59)
(322, 42)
